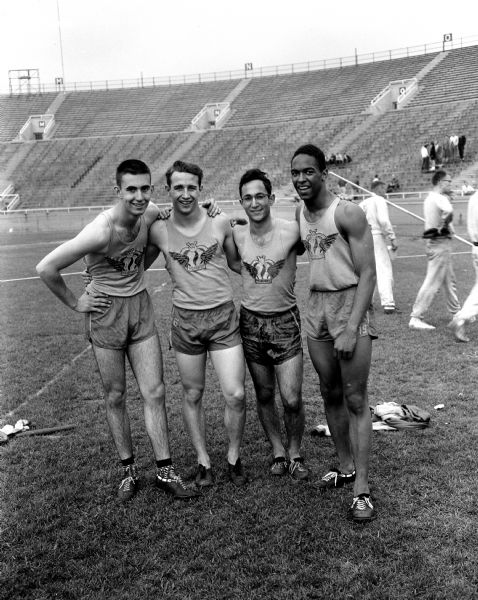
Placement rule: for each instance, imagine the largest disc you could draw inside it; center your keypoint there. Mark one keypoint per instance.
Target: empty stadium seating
(270, 117)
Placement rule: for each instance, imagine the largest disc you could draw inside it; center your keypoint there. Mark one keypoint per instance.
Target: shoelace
(168, 474)
(295, 465)
(361, 503)
(127, 484)
(330, 475)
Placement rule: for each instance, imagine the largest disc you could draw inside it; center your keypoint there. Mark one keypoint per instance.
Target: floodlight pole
(61, 45)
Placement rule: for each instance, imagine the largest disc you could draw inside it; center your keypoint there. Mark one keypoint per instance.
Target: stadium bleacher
(269, 118)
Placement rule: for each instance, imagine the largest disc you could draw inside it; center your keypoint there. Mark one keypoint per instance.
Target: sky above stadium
(122, 39)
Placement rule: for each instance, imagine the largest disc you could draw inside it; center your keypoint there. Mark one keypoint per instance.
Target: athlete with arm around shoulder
(119, 319)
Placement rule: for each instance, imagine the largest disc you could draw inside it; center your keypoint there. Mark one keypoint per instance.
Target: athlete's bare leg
(289, 377)
(192, 371)
(354, 378)
(147, 364)
(230, 368)
(330, 378)
(343, 385)
(111, 364)
(263, 378)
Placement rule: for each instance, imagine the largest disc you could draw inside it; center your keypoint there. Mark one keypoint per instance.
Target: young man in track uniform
(120, 320)
(270, 320)
(197, 249)
(339, 323)
(438, 213)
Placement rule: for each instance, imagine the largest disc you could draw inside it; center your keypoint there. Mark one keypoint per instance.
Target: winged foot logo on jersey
(263, 270)
(194, 257)
(127, 262)
(317, 244)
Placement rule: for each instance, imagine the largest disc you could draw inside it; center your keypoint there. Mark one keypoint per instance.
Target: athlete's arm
(353, 225)
(92, 239)
(150, 255)
(229, 245)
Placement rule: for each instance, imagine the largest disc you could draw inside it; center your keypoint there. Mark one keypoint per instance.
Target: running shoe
(279, 466)
(236, 473)
(129, 485)
(362, 509)
(171, 483)
(297, 470)
(204, 476)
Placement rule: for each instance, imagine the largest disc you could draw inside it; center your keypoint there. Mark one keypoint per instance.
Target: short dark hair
(438, 176)
(255, 175)
(180, 166)
(312, 150)
(132, 166)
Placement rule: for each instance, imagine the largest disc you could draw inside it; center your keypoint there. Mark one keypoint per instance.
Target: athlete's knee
(331, 393)
(265, 394)
(115, 397)
(193, 396)
(154, 394)
(356, 399)
(236, 398)
(293, 403)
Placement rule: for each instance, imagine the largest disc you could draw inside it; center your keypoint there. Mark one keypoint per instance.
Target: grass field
(64, 536)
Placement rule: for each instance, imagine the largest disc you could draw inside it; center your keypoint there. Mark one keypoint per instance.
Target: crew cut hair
(312, 150)
(255, 175)
(132, 166)
(180, 166)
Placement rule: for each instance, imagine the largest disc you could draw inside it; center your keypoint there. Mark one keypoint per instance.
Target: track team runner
(270, 320)
(120, 320)
(198, 249)
(338, 322)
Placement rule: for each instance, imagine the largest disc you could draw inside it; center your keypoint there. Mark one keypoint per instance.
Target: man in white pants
(376, 211)
(470, 306)
(438, 213)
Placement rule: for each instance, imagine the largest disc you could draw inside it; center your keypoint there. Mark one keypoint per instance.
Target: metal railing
(285, 69)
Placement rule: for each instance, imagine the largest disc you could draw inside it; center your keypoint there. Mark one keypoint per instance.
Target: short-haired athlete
(270, 320)
(338, 323)
(120, 319)
(198, 249)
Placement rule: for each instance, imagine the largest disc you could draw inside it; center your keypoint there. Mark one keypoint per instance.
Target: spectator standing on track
(197, 250)
(270, 320)
(376, 211)
(438, 213)
(339, 324)
(120, 320)
(469, 311)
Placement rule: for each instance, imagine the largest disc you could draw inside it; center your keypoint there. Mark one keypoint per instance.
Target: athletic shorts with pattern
(197, 331)
(329, 312)
(128, 320)
(270, 339)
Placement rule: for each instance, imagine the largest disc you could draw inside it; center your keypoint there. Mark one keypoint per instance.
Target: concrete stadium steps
(454, 78)
(141, 110)
(331, 92)
(391, 145)
(15, 110)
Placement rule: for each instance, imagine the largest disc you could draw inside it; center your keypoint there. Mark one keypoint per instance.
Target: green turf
(64, 536)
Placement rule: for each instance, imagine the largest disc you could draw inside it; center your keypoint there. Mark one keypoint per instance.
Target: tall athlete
(338, 322)
(120, 320)
(270, 320)
(197, 249)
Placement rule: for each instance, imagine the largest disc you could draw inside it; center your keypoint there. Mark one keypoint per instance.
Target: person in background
(376, 211)
(438, 213)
